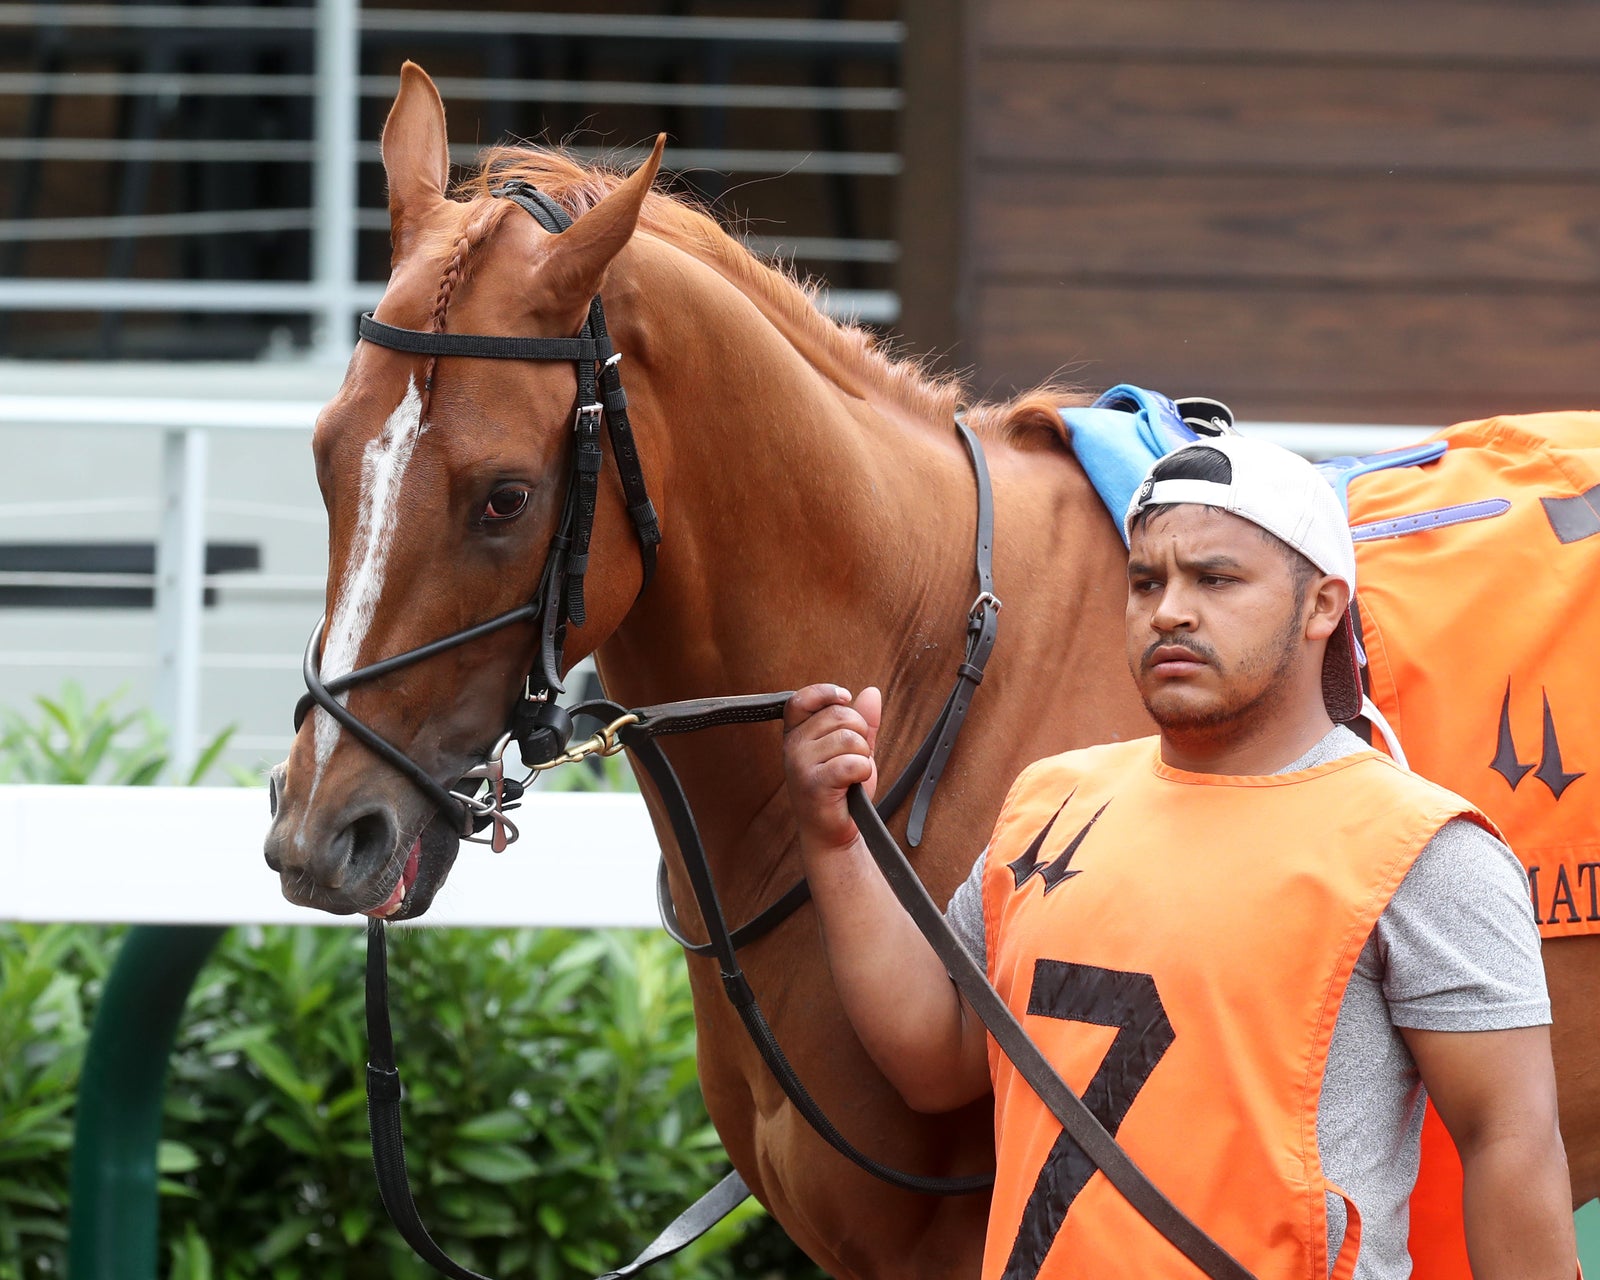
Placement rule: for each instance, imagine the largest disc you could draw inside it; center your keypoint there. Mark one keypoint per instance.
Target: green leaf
(55, 711)
(35, 1198)
(496, 1126)
(354, 1224)
(292, 1130)
(191, 1257)
(498, 1164)
(208, 757)
(552, 1220)
(175, 1157)
(179, 1190)
(144, 773)
(285, 1238)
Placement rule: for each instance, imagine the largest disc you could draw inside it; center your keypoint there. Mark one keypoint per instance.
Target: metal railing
(332, 294)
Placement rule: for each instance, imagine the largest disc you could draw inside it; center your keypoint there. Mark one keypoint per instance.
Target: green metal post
(114, 1215)
(1588, 1224)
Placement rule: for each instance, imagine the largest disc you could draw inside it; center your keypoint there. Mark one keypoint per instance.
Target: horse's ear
(416, 154)
(580, 255)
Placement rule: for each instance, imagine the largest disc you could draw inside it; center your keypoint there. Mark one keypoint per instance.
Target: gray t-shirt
(1456, 949)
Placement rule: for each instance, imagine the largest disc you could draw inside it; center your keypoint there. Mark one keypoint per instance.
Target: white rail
(172, 855)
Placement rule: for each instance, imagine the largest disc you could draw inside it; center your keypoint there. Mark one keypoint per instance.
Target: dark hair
(1200, 463)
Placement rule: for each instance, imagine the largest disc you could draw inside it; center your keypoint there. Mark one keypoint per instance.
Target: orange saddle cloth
(1481, 629)
(1481, 633)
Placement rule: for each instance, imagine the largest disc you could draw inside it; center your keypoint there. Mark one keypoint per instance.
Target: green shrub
(44, 971)
(554, 1121)
(74, 741)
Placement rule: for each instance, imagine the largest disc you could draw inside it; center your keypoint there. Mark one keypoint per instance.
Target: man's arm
(1496, 1093)
(903, 1006)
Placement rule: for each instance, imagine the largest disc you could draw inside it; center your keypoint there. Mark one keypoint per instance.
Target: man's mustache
(1201, 651)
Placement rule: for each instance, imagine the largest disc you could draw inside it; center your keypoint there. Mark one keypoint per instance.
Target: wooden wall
(1335, 210)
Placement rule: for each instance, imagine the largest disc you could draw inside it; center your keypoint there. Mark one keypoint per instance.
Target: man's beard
(1220, 720)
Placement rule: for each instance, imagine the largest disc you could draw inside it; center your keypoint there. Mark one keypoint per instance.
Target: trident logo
(1551, 771)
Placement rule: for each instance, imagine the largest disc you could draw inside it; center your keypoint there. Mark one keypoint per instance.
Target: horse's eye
(505, 504)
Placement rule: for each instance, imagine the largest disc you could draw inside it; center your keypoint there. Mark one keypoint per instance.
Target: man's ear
(1329, 601)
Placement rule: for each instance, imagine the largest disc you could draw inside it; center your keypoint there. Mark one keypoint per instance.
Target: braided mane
(848, 355)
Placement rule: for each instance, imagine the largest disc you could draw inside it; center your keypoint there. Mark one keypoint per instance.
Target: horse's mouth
(408, 877)
(420, 874)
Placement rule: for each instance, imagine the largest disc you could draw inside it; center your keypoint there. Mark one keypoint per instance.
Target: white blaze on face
(383, 469)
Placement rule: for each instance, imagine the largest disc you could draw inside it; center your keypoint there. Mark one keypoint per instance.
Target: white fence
(169, 855)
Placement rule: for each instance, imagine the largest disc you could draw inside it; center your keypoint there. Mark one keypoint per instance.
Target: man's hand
(828, 739)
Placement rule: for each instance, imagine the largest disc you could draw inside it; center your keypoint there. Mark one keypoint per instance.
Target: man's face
(1215, 622)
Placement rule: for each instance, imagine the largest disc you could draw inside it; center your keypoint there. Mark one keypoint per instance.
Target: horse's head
(447, 479)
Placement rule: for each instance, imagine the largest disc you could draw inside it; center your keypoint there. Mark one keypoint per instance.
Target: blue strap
(1438, 518)
(1339, 472)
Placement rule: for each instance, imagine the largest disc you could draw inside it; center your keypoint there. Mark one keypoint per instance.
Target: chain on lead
(492, 804)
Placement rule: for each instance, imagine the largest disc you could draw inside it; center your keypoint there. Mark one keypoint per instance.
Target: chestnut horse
(817, 513)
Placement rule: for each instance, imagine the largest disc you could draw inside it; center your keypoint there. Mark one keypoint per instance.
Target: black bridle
(539, 727)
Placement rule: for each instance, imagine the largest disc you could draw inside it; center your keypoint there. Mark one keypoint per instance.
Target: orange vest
(1178, 945)
(1480, 638)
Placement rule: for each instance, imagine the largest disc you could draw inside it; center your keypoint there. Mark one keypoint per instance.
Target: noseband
(540, 728)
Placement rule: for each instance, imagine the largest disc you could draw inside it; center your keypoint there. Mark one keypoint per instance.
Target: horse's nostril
(275, 781)
(362, 849)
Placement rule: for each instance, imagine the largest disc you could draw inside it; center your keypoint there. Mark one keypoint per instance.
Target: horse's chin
(421, 874)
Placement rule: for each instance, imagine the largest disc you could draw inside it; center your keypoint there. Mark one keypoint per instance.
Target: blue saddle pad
(1120, 436)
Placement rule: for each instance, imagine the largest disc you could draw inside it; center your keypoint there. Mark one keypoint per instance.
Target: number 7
(1105, 998)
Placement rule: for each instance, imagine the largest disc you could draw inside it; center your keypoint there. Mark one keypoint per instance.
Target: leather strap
(640, 740)
(1076, 1118)
(982, 625)
(450, 805)
(418, 342)
(614, 400)
(384, 1093)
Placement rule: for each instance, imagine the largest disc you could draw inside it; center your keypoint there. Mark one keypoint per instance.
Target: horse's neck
(808, 535)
